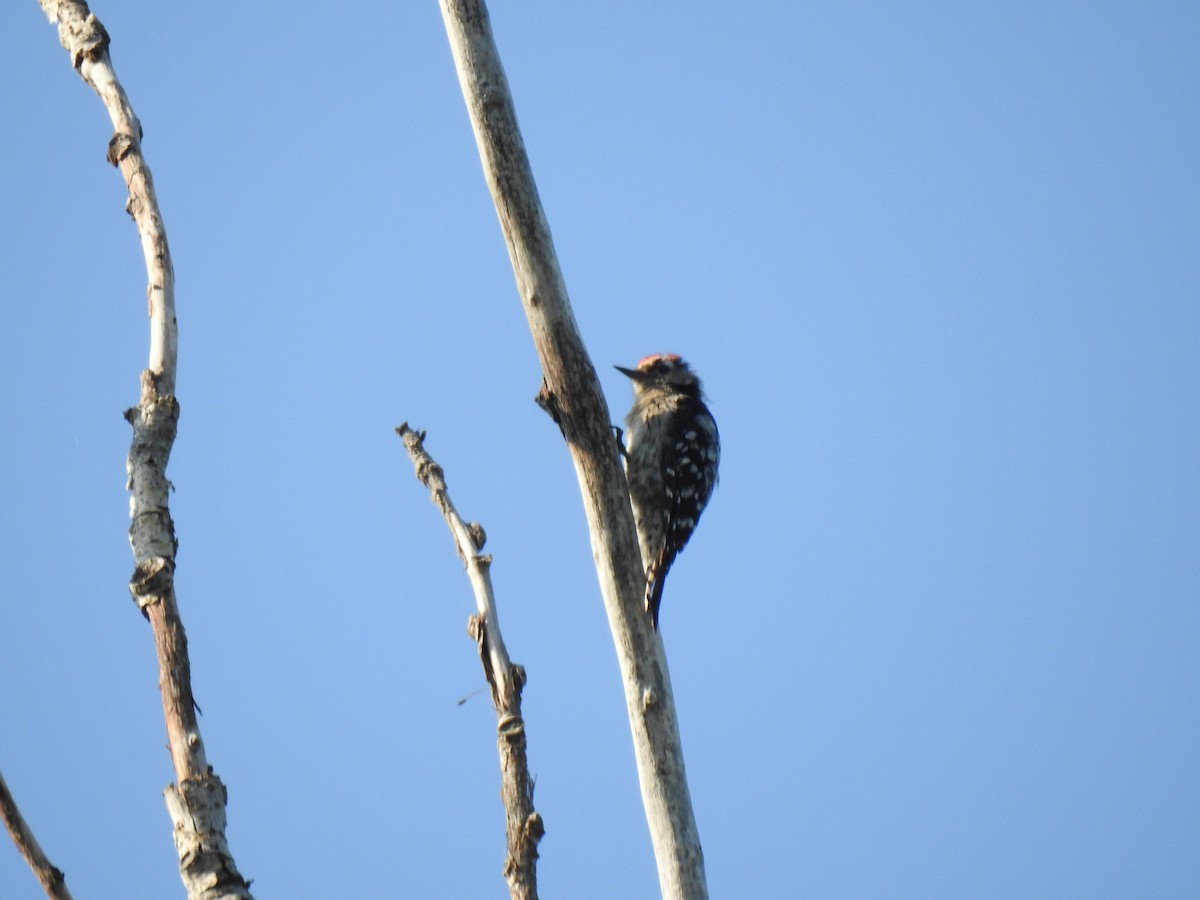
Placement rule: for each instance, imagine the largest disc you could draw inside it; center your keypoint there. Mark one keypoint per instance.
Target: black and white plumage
(672, 453)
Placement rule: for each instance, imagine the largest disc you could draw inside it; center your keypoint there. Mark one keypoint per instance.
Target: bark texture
(523, 825)
(197, 803)
(571, 394)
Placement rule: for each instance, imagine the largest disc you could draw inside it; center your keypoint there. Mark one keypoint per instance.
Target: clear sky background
(938, 635)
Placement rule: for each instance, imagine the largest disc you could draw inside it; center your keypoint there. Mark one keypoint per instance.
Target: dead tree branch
(197, 803)
(50, 876)
(571, 394)
(524, 826)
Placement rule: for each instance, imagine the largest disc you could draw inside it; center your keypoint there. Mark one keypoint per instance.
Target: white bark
(197, 804)
(85, 39)
(571, 394)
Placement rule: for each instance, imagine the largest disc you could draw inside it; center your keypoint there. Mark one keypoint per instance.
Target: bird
(671, 459)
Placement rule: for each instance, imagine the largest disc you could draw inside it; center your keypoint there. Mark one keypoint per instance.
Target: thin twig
(50, 876)
(524, 826)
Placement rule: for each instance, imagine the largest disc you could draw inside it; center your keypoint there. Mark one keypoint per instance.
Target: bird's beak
(629, 373)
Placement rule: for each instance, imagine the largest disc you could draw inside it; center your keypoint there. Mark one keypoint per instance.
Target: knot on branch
(153, 407)
(84, 38)
(523, 849)
(120, 145)
(151, 579)
(510, 726)
(478, 536)
(534, 827)
(429, 473)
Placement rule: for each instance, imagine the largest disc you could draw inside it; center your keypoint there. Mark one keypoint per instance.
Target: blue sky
(937, 265)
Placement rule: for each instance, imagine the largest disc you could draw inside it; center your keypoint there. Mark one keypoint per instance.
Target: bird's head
(662, 371)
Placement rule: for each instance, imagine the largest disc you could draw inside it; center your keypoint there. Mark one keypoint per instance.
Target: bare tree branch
(85, 39)
(50, 876)
(571, 394)
(524, 827)
(197, 804)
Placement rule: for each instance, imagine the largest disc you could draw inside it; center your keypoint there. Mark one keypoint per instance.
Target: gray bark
(523, 825)
(571, 394)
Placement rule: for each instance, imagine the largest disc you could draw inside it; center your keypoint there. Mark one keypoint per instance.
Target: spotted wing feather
(689, 477)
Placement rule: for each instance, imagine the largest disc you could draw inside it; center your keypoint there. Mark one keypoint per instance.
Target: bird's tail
(654, 592)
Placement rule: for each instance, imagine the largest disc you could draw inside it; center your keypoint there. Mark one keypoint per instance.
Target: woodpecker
(670, 462)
